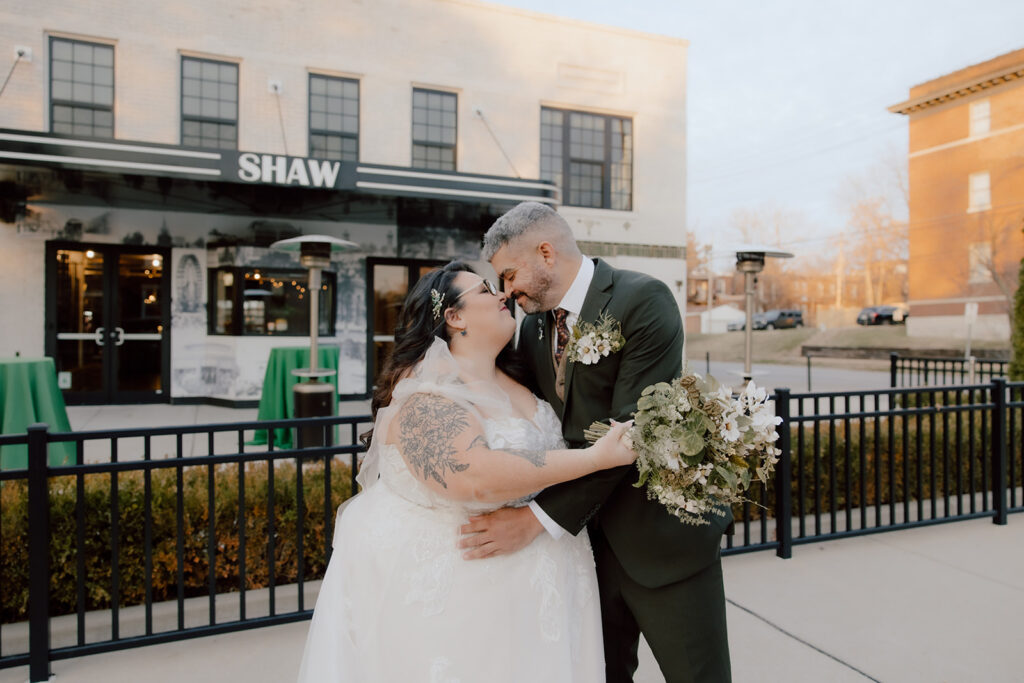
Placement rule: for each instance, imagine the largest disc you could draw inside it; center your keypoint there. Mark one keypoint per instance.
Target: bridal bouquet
(698, 447)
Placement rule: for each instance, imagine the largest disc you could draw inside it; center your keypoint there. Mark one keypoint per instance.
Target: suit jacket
(653, 546)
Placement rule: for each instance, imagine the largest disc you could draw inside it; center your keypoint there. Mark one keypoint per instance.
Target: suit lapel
(598, 294)
(538, 351)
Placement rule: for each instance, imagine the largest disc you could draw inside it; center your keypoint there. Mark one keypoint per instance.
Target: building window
(267, 302)
(434, 124)
(979, 262)
(980, 118)
(333, 118)
(81, 88)
(209, 103)
(588, 156)
(979, 192)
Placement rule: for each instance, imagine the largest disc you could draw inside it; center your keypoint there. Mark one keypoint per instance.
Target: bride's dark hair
(417, 328)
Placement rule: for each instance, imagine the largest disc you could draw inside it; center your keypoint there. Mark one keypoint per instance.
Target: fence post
(38, 555)
(893, 357)
(999, 413)
(784, 480)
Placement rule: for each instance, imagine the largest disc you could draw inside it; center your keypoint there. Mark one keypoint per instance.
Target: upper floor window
(979, 262)
(434, 124)
(981, 119)
(209, 103)
(979, 192)
(589, 156)
(333, 118)
(81, 88)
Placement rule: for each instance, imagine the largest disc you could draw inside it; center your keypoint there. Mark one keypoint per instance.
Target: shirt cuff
(549, 524)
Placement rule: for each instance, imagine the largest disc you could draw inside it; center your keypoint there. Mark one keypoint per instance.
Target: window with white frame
(81, 88)
(980, 118)
(979, 192)
(979, 262)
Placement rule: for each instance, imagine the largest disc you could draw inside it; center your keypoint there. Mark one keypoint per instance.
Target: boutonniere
(591, 342)
(540, 328)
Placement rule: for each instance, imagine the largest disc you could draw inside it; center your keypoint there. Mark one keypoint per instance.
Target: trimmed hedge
(14, 572)
(844, 445)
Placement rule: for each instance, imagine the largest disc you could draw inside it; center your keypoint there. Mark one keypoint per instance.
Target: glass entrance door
(390, 281)
(107, 308)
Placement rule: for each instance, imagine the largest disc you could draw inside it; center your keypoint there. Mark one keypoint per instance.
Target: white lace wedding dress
(399, 603)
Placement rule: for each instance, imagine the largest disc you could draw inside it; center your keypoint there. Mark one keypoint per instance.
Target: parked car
(778, 319)
(882, 315)
(737, 325)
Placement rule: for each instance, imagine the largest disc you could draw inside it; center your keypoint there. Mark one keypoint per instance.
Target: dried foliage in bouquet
(699, 447)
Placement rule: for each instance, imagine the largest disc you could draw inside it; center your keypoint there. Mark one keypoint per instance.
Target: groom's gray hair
(523, 218)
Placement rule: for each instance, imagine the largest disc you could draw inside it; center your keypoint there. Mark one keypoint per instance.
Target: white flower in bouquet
(699, 448)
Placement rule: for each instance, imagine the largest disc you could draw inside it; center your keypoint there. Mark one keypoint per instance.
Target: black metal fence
(852, 463)
(912, 371)
(211, 564)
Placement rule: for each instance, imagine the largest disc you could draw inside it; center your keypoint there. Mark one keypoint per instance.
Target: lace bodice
(543, 432)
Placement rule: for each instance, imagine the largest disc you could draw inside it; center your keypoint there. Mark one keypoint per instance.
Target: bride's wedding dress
(400, 604)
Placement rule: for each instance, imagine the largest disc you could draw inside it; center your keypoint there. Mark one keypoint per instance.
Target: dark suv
(778, 319)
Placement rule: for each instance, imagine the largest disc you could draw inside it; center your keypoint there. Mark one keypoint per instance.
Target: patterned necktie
(562, 333)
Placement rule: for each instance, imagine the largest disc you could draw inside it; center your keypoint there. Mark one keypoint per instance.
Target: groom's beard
(536, 303)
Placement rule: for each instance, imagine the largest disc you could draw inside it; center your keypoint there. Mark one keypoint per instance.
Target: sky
(787, 99)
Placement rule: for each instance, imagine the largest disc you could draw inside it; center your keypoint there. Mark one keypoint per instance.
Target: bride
(455, 435)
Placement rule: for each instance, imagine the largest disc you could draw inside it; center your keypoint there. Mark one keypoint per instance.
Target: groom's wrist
(545, 521)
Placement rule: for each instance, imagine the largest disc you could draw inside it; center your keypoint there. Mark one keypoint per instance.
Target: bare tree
(877, 236)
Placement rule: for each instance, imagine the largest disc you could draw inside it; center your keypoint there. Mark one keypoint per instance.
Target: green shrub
(1017, 329)
(14, 571)
(922, 458)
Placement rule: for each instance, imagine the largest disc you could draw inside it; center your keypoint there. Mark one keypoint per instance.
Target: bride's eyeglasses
(488, 285)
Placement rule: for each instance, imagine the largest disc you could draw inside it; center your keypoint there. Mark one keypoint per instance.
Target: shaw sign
(275, 169)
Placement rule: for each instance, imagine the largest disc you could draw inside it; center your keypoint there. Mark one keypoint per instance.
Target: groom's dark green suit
(656, 574)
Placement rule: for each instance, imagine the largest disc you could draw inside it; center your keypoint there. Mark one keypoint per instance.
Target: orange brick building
(966, 171)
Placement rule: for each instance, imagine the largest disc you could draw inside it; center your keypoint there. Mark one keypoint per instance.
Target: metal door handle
(99, 336)
(119, 339)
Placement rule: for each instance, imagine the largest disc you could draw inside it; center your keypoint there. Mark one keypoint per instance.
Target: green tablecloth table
(29, 394)
(277, 399)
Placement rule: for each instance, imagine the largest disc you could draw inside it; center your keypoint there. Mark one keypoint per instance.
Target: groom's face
(526, 277)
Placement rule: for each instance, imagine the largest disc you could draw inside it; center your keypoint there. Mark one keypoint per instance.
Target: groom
(657, 575)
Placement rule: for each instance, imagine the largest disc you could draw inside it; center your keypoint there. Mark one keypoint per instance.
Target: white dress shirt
(572, 302)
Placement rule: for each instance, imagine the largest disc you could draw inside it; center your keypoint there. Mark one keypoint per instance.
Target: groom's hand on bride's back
(500, 532)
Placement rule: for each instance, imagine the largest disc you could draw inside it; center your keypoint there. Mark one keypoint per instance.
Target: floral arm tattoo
(429, 427)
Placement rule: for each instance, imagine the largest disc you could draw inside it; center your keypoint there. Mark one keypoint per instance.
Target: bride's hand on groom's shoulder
(615, 448)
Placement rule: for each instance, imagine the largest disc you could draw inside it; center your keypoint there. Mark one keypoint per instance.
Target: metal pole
(999, 483)
(314, 318)
(38, 556)
(784, 480)
(748, 282)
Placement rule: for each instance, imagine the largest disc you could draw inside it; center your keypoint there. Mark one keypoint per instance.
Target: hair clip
(436, 298)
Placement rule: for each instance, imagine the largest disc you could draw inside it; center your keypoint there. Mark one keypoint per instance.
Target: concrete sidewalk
(938, 603)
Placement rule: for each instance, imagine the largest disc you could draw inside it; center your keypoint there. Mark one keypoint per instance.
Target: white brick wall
(503, 61)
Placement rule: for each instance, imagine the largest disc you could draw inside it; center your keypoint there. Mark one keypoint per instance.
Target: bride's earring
(463, 333)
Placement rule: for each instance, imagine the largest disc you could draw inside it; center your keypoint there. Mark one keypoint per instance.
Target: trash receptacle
(314, 399)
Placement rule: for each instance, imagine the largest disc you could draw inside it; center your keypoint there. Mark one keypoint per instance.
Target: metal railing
(236, 466)
(913, 371)
(852, 463)
(862, 462)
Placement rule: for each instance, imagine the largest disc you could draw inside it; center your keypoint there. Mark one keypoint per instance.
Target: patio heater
(314, 397)
(750, 262)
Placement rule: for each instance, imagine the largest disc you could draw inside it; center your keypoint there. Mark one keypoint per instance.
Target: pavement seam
(800, 640)
(947, 564)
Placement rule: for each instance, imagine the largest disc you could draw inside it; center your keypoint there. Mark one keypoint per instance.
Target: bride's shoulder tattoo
(428, 426)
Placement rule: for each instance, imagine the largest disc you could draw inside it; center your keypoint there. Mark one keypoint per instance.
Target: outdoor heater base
(314, 399)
